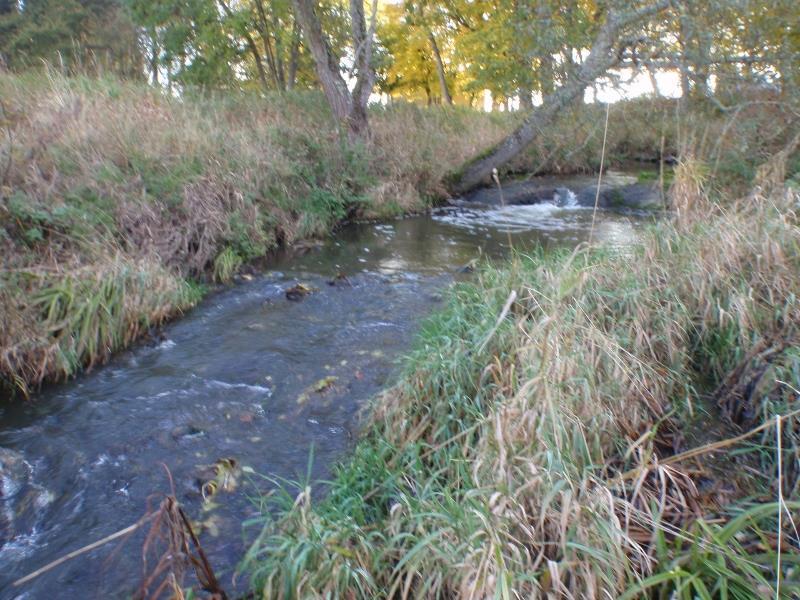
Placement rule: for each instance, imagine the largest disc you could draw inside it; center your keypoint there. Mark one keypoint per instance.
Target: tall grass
(531, 459)
(99, 172)
(83, 315)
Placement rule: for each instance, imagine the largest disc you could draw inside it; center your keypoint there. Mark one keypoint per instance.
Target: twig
(661, 163)
(496, 178)
(506, 307)
(711, 446)
(202, 566)
(780, 507)
(600, 175)
(10, 135)
(84, 550)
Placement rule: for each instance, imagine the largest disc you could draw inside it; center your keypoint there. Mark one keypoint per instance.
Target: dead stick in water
(85, 549)
(205, 574)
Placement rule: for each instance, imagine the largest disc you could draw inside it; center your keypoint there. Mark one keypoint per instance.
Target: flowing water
(248, 375)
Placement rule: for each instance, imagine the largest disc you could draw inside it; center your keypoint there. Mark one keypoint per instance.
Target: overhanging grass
(197, 186)
(525, 459)
(103, 172)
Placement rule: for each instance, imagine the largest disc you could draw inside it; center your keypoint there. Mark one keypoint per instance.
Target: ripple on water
(226, 384)
(545, 216)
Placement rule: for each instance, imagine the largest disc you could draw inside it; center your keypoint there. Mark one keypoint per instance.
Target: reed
(98, 172)
(532, 458)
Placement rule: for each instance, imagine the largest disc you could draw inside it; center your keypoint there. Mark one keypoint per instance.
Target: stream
(248, 375)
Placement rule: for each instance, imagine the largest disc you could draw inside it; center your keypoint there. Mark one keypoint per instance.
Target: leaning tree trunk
(600, 59)
(294, 56)
(350, 109)
(446, 97)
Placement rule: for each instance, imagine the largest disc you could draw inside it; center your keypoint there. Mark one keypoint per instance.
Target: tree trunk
(446, 98)
(265, 40)
(362, 44)
(154, 54)
(8, 7)
(547, 76)
(251, 44)
(701, 66)
(654, 81)
(350, 109)
(546, 73)
(600, 59)
(294, 56)
(684, 37)
(276, 28)
(525, 100)
(788, 71)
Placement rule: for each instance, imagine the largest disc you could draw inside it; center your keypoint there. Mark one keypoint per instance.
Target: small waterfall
(565, 198)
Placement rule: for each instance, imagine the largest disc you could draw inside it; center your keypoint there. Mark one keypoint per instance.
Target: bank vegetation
(120, 203)
(589, 424)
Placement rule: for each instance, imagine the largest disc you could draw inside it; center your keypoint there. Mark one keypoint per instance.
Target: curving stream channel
(247, 375)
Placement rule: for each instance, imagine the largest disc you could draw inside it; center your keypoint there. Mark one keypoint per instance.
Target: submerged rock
(21, 500)
(340, 279)
(15, 472)
(617, 191)
(518, 193)
(638, 196)
(222, 476)
(187, 431)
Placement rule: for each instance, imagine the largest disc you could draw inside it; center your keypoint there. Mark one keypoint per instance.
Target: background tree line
(432, 51)
(524, 52)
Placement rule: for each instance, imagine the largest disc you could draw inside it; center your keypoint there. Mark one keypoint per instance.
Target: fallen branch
(711, 446)
(84, 550)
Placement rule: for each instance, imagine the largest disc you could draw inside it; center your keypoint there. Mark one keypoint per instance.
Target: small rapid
(249, 376)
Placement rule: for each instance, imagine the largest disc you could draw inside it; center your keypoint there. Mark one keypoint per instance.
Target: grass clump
(102, 176)
(80, 316)
(94, 171)
(529, 456)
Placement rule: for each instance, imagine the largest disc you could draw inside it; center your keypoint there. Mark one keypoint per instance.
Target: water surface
(238, 378)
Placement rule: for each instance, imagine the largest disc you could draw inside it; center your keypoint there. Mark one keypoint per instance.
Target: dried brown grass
(102, 177)
(539, 466)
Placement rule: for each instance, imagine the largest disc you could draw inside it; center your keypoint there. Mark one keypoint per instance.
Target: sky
(625, 88)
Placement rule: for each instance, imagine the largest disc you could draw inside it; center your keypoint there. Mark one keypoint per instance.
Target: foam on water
(258, 389)
(226, 383)
(561, 215)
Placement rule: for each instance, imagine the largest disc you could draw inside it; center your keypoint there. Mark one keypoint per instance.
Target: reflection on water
(237, 378)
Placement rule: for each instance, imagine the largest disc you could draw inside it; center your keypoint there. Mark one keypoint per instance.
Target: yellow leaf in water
(324, 383)
(211, 525)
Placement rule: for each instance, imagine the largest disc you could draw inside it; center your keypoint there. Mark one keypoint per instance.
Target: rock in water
(638, 196)
(14, 473)
(298, 292)
(22, 500)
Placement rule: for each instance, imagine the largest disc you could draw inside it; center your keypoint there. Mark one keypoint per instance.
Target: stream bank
(248, 375)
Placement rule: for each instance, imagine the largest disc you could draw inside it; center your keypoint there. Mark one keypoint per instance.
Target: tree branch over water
(600, 59)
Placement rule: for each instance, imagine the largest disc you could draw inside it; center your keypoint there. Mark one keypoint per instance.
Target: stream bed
(248, 376)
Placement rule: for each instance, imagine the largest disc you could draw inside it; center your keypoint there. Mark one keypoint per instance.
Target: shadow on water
(237, 378)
